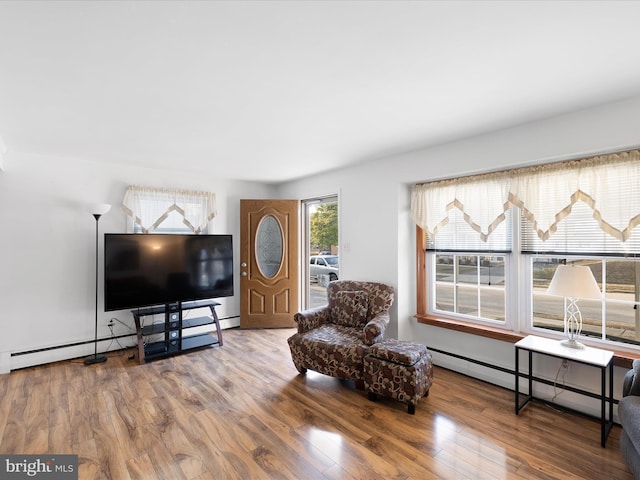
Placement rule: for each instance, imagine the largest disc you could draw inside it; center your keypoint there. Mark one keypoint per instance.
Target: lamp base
(91, 359)
(571, 344)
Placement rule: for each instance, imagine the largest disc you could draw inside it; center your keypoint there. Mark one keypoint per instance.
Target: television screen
(153, 269)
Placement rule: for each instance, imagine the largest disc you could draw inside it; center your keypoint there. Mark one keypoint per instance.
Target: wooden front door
(268, 263)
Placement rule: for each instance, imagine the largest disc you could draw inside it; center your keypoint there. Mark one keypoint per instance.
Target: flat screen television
(142, 270)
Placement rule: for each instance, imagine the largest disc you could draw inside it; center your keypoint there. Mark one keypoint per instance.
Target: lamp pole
(98, 210)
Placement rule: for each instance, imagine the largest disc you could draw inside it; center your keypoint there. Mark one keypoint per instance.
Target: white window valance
(608, 184)
(149, 207)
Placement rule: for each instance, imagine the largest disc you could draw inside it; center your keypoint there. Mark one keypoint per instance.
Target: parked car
(323, 265)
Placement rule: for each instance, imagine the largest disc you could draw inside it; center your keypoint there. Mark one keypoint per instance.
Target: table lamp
(573, 282)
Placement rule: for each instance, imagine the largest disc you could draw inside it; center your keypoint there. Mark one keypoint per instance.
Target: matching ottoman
(399, 370)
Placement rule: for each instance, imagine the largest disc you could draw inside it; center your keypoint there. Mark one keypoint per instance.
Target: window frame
(455, 192)
(307, 297)
(422, 315)
(623, 355)
(431, 310)
(607, 301)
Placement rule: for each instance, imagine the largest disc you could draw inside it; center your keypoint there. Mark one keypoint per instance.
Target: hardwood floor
(242, 411)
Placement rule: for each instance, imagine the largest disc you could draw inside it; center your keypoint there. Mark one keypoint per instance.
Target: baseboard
(10, 361)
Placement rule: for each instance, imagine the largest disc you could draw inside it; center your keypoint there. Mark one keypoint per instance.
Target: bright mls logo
(51, 467)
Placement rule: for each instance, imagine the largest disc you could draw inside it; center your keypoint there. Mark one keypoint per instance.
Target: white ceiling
(273, 91)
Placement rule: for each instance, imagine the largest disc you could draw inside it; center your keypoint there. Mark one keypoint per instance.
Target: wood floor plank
(242, 411)
(59, 439)
(82, 411)
(286, 432)
(140, 467)
(275, 455)
(129, 427)
(36, 441)
(199, 443)
(14, 435)
(89, 467)
(182, 451)
(58, 413)
(232, 458)
(7, 394)
(111, 457)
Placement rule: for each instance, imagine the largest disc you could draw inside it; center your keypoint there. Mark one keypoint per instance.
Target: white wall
(47, 247)
(377, 237)
(3, 151)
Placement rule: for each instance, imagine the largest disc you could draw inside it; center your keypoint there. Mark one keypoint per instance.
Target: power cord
(116, 319)
(564, 366)
(114, 338)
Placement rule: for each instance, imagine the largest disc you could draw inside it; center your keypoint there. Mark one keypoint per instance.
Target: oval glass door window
(269, 246)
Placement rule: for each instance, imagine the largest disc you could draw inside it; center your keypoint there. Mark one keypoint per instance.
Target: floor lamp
(573, 282)
(97, 211)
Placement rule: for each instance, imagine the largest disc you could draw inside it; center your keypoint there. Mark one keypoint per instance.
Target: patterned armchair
(334, 339)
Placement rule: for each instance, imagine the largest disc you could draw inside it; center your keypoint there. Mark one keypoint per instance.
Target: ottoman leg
(411, 409)
(372, 396)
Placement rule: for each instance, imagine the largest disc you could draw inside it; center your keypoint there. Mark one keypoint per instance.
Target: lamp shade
(100, 208)
(574, 281)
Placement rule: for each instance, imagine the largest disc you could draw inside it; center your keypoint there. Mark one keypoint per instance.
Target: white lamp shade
(574, 281)
(100, 208)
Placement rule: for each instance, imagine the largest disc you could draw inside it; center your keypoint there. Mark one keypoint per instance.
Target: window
(614, 318)
(169, 211)
(464, 285)
(491, 245)
(319, 237)
(172, 222)
(468, 274)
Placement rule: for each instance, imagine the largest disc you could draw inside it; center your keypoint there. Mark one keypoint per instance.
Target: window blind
(458, 236)
(578, 233)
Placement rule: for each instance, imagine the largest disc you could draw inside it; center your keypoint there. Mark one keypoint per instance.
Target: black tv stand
(168, 337)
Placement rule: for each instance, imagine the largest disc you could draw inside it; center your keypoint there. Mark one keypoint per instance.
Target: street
(317, 295)
(548, 310)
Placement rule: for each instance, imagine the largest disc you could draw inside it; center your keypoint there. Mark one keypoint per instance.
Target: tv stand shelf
(173, 329)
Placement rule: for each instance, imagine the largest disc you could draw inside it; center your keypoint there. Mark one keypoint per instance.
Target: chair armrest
(313, 318)
(631, 383)
(375, 328)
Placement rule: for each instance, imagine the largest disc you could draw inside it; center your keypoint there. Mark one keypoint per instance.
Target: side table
(595, 357)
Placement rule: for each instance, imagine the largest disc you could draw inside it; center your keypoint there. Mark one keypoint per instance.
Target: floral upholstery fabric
(350, 308)
(310, 319)
(380, 295)
(331, 348)
(398, 351)
(374, 330)
(399, 370)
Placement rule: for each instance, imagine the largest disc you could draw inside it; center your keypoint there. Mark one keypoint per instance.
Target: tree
(324, 226)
